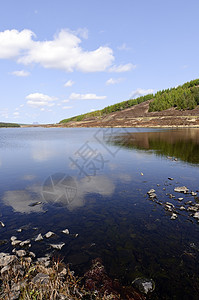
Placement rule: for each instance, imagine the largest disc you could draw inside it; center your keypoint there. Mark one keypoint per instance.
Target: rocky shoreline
(49, 278)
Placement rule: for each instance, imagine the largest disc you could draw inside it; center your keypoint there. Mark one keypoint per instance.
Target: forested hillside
(8, 125)
(184, 97)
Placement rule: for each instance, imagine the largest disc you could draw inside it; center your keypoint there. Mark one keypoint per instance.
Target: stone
(49, 234)
(170, 178)
(57, 246)
(180, 199)
(24, 243)
(171, 196)
(32, 254)
(39, 238)
(15, 242)
(193, 194)
(182, 208)
(152, 195)
(21, 253)
(173, 217)
(151, 191)
(181, 189)
(144, 285)
(196, 215)
(66, 231)
(13, 238)
(170, 204)
(2, 224)
(192, 208)
(19, 230)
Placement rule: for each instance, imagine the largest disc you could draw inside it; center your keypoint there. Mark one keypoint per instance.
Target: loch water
(94, 182)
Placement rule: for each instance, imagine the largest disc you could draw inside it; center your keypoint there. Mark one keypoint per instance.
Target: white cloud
(65, 101)
(114, 81)
(69, 83)
(141, 92)
(122, 68)
(38, 100)
(21, 73)
(14, 43)
(20, 201)
(16, 113)
(92, 109)
(67, 107)
(75, 96)
(64, 52)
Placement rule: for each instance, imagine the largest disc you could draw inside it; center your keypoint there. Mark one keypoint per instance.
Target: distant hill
(178, 102)
(2, 124)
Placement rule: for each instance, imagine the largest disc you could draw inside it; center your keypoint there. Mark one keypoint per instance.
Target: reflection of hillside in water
(181, 143)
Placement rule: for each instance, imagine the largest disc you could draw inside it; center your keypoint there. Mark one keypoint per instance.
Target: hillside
(172, 107)
(2, 124)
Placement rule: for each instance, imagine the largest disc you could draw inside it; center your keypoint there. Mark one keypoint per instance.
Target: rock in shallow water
(181, 189)
(21, 253)
(66, 231)
(39, 238)
(49, 234)
(144, 285)
(57, 246)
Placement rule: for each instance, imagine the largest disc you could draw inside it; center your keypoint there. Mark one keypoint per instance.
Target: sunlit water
(94, 182)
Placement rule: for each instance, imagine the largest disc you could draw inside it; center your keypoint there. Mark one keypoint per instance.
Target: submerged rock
(181, 189)
(144, 285)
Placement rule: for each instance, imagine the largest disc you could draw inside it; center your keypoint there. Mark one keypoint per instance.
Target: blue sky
(63, 58)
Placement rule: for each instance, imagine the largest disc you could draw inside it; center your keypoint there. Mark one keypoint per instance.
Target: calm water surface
(94, 182)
